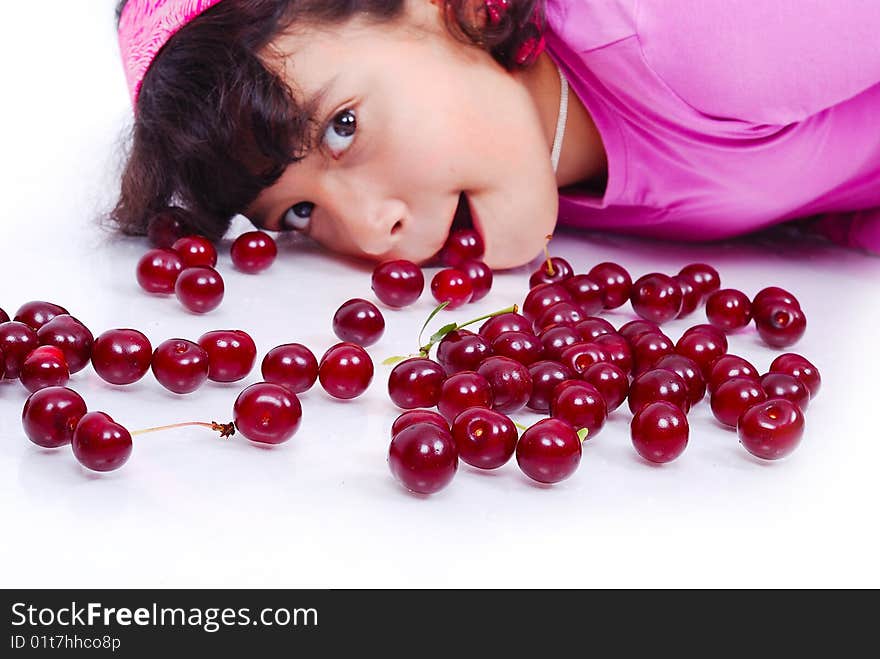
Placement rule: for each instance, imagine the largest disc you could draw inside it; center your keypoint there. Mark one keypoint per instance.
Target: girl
(372, 125)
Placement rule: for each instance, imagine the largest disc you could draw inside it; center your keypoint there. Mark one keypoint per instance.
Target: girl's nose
(377, 228)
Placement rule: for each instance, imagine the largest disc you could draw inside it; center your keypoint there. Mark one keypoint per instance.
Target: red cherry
(74, 339)
(546, 375)
(164, 229)
(556, 339)
(617, 349)
(549, 451)
(412, 417)
(592, 327)
(703, 277)
(479, 275)
(660, 432)
(231, 354)
(658, 384)
(780, 324)
(783, 385)
(728, 309)
(580, 356)
(505, 322)
(158, 270)
(180, 366)
(37, 313)
(615, 282)
(579, 404)
(717, 335)
(690, 296)
(586, 294)
(359, 321)
(462, 245)
(121, 356)
(345, 371)
(196, 251)
(51, 415)
(541, 297)
(464, 390)
(734, 397)
(656, 297)
(292, 365)
(523, 347)
(416, 383)
(557, 270)
(774, 294)
(253, 252)
(267, 413)
(648, 349)
(771, 429)
(452, 286)
(727, 367)
(702, 349)
(4, 317)
(44, 367)
(485, 439)
(561, 313)
(423, 458)
(801, 368)
(635, 328)
(688, 370)
(17, 341)
(398, 283)
(100, 443)
(510, 382)
(462, 350)
(611, 381)
(200, 289)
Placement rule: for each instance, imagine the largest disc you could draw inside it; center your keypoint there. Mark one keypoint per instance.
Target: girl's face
(411, 119)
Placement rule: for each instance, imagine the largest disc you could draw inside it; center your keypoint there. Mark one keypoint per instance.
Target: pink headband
(147, 25)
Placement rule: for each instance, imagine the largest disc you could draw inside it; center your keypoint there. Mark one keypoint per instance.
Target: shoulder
(766, 62)
(586, 25)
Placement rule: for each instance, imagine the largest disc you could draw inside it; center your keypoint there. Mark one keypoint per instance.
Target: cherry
(100, 443)
(121, 356)
(611, 381)
(592, 327)
(541, 297)
(690, 296)
(44, 367)
(416, 383)
(586, 294)
(648, 349)
(549, 451)
(734, 397)
(158, 270)
(231, 354)
(359, 321)
(801, 368)
(412, 417)
(164, 229)
(505, 322)
(510, 382)
(728, 309)
(634, 328)
(551, 271)
(292, 365)
(556, 339)
(782, 385)
(200, 289)
(660, 432)
(464, 390)
(453, 286)
(480, 276)
(615, 281)
(74, 339)
(4, 317)
(546, 375)
(561, 313)
(485, 439)
(37, 313)
(717, 335)
(180, 366)
(398, 283)
(702, 349)
(196, 251)
(345, 371)
(462, 350)
(704, 278)
(253, 252)
(462, 245)
(579, 404)
(617, 350)
(771, 429)
(423, 458)
(17, 341)
(656, 297)
(688, 370)
(267, 413)
(727, 367)
(659, 384)
(774, 294)
(50, 416)
(780, 324)
(523, 347)
(580, 356)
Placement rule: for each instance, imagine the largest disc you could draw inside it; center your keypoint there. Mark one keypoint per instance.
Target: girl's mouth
(462, 218)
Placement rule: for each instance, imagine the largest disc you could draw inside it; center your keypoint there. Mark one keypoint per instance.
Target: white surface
(323, 510)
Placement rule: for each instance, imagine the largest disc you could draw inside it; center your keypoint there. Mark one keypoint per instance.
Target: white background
(323, 510)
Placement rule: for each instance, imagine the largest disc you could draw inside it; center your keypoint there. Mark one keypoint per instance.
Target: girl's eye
(340, 132)
(298, 216)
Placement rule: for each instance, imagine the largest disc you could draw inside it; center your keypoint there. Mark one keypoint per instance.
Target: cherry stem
(225, 429)
(519, 425)
(550, 270)
(451, 327)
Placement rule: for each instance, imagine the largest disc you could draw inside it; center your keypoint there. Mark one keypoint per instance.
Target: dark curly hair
(214, 126)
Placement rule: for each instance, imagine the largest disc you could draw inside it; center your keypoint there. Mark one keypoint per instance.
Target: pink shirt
(721, 117)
